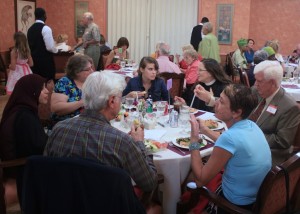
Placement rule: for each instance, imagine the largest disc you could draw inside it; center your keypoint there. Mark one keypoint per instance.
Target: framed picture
(224, 23)
(24, 12)
(80, 8)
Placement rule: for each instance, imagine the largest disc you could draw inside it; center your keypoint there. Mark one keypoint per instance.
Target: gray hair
(208, 26)
(99, 86)
(163, 48)
(259, 56)
(76, 64)
(89, 16)
(192, 53)
(271, 70)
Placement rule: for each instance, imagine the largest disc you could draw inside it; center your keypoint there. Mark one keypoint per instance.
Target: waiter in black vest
(42, 46)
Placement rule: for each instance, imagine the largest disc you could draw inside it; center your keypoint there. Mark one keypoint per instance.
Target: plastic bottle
(149, 105)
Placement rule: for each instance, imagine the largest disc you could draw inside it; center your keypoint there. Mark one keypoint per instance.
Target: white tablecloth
(172, 166)
(294, 92)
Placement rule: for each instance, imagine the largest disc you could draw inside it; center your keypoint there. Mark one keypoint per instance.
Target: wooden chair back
(60, 61)
(171, 58)
(7, 164)
(271, 197)
(244, 77)
(102, 59)
(177, 83)
(296, 144)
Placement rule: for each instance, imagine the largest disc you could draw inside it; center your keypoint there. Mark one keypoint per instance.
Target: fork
(172, 145)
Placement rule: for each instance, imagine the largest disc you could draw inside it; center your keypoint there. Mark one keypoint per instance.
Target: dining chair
(60, 61)
(4, 63)
(244, 77)
(296, 143)
(177, 83)
(7, 164)
(171, 58)
(102, 59)
(65, 185)
(271, 198)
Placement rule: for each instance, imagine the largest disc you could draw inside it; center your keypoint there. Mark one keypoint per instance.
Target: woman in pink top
(191, 73)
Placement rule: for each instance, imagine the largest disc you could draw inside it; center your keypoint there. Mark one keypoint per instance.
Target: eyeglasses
(88, 69)
(201, 69)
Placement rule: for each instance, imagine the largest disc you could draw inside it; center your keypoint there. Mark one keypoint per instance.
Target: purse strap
(287, 186)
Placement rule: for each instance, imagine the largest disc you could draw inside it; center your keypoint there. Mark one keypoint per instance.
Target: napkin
(154, 134)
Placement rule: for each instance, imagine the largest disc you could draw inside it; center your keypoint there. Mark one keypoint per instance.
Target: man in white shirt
(165, 65)
(42, 46)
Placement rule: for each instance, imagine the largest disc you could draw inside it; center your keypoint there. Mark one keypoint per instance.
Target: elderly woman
(119, 52)
(66, 99)
(21, 131)
(191, 73)
(209, 46)
(147, 83)
(182, 63)
(212, 80)
(235, 151)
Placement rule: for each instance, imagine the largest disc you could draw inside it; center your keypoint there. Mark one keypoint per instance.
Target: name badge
(271, 109)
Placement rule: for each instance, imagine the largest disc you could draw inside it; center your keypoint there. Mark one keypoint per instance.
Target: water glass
(129, 102)
(160, 107)
(123, 63)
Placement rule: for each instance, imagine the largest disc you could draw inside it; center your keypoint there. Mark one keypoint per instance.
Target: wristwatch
(194, 146)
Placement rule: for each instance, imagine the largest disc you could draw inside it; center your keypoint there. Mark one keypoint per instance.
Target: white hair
(163, 48)
(271, 70)
(208, 26)
(99, 86)
(89, 16)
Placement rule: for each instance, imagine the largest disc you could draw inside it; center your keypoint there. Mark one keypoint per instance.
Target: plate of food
(213, 124)
(155, 146)
(193, 110)
(184, 142)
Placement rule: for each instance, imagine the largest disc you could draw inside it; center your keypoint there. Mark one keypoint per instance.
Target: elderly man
(209, 46)
(91, 136)
(90, 38)
(277, 114)
(238, 57)
(165, 65)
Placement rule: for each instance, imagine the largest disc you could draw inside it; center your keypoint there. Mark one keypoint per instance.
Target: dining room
(145, 23)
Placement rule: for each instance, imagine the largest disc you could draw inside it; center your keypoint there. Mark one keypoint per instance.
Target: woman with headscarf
(21, 132)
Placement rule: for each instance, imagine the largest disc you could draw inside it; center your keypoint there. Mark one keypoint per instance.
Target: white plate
(220, 126)
(186, 147)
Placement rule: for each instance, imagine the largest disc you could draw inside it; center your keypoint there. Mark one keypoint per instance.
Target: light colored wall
(257, 19)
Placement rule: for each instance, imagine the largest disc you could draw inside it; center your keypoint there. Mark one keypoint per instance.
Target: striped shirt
(91, 136)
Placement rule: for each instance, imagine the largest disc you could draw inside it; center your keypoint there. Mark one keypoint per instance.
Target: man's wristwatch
(194, 146)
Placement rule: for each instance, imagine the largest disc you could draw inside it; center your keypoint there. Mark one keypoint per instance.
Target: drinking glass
(123, 64)
(129, 101)
(160, 107)
(184, 118)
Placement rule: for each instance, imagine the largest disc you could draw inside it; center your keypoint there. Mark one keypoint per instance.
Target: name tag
(271, 109)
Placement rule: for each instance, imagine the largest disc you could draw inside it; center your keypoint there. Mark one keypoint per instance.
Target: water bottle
(149, 104)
